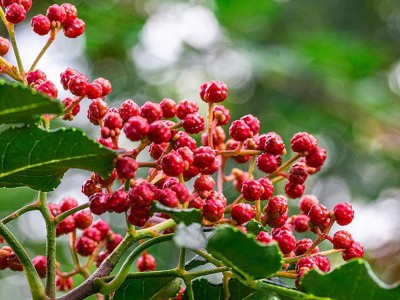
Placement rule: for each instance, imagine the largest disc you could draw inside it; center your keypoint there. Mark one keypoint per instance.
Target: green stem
(50, 246)
(136, 275)
(154, 230)
(207, 256)
(69, 212)
(74, 255)
(20, 212)
(192, 275)
(107, 288)
(225, 282)
(182, 260)
(53, 34)
(285, 165)
(189, 289)
(35, 284)
(11, 32)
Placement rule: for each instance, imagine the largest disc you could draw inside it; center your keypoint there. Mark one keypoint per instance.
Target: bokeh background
(328, 67)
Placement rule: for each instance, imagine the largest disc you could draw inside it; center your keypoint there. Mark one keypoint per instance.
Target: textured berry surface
(355, 250)
(342, 239)
(267, 163)
(252, 190)
(242, 213)
(15, 13)
(318, 214)
(40, 264)
(214, 91)
(146, 262)
(41, 24)
(344, 213)
(302, 142)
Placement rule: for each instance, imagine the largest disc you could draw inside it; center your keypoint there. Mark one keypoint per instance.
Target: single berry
(78, 85)
(4, 46)
(36, 77)
(41, 24)
(4, 253)
(268, 188)
(146, 262)
(70, 11)
(305, 264)
(276, 206)
(213, 210)
(66, 76)
(186, 107)
(68, 203)
(306, 202)
(278, 221)
(300, 223)
(101, 257)
(193, 123)
(128, 109)
(98, 203)
(85, 246)
(322, 263)
(94, 90)
(167, 197)
(252, 190)
(105, 85)
(344, 213)
(182, 139)
(264, 237)
(221, 114)
(316, 157)
(119, 201)
(294, 191)
(151, 111)
(126, 167)
(187, 156)
(159, 132)
(13, 263)
(318, 214)
(234, 145)
(66, 226)
(27, 4)
(218, 137)
(242, 213)
(136, 128)
(143, 194)
(298, 173)
(73, 27)
(83, 219)
(267, 163)
(342, 239)
(354, 251)
(172, 164)
(213, 91)
(181, 192)
(56, 13)
(271, 143)
(302, 246)
(54, 209)
(90, 187)
(48, 88)
(138, 215)
(302, 142)
(64, 283)
(286, 241)
(239, 130)
(93, 233)
(40, 264)
(15, 13)
(113, 242)
(204, 183)
(168, 107)
(156, 150)
(252, 122)
(102, 226)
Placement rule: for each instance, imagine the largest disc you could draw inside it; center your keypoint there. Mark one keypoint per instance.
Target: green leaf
(238, 290)
(190, 237)
(353, 280)
(203, 290)
(254, 227)
(228, 244)
(20, 104)
(38, 159)
(196, 261)
(149, 288)
(187, 215)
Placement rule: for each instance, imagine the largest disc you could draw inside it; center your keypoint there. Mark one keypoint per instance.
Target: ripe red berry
(119, 201)
(41, 24)
(151, 111)
(354, 251)
(322, 263)
(344, 213)
(186, 107)
(27, 4)
(4, 253)
(66, 226)
(276, 206)
(193, 123)
(40, 264)
(181, 192)
(242, 213)
(342, 239)
(302, 246)
(286, 241)
(94, 90)
(66, 76)
(239, 130)
(73, 27)
(101, 257)
(305, 264)
(278, 221)
(105, 85)
(126, 167)
(90, 187)
(15, 13)
(204, 183)
(298, 173)
(268, 188)
(187, 156)
(85, 246)
(146, 262)
(113, 241)
(271, 143)
(136, 128)
(167, 197)
(203, 157)
(252, 190)
(302, 142)
(172, 164)
(56, 13)
(316, 157)
(213, 210)
(13, 263)
(64, 283)
(221, 114)
(48, 88)
(143, 194)
(83, 219)
(4, 46)
(264, 237)
(267, 163)
(182, 139)
(159, 132)
(138, 215)
(98, 203)
(252, 122)
(129, 109)
(218, 137)
(36, 77)
(68, 203)
(213, 91)
(54, 209)
(306, 202)
(102, 226)
(168, 107)
(318, 215)
(300, 223)
(70, 11)
(93, 234)
(294, 191)
(78, 85)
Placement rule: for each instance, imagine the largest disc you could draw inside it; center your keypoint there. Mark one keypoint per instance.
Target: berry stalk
(53, 34)
(20, 212)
